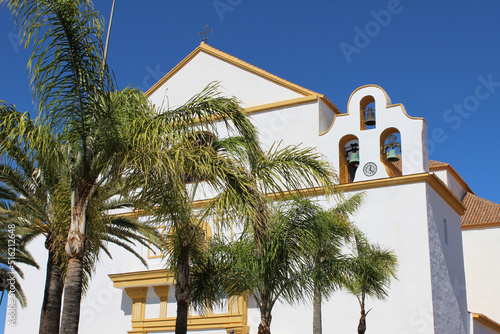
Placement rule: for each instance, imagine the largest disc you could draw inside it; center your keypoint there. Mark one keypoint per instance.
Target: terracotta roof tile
(435, 165)
(480, 212)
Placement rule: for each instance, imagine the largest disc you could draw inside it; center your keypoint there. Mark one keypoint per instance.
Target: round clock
(370, 169)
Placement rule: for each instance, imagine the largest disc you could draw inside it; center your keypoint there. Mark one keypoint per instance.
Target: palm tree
(274, 274)
(372, 270)
(35, 194)
(273, 174)
(194, 157)
(74, 92)
(75, 95)
(70, 86)
(329, 230)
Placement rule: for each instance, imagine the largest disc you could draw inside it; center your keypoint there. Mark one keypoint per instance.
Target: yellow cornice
(388, 104)
(455, 174)
(135, 284)
(141, 278)
(245, 66)
(282, 104)
(431, 179)
(442, 189)
(481, 318)
(225, 321)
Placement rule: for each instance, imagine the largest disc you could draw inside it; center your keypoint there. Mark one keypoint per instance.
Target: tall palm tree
(330, 230)
(71, 89)
(193, 157)
(35, 182)
(372, 269)
(239, 172)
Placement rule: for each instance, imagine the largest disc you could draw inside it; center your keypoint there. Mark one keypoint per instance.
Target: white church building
(446, 239)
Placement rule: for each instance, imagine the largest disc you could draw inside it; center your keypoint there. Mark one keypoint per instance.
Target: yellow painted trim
(245, 66)
(136, 287)
(455, 174)
(194, 323)
(480, 226)
(138, 296)
(481, 318)
(142, 278)
(162, 292)
(387, 106)
(442, 189)
(282, 104)
(234, 61)
(432, 180)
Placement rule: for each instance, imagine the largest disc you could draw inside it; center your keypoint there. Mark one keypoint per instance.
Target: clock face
(370, 169)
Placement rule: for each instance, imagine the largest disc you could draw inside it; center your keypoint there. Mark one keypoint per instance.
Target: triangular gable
(257, 89)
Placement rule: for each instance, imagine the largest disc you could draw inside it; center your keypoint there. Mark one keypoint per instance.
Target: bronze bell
(370, 117)
(354, 158)
(392, 155)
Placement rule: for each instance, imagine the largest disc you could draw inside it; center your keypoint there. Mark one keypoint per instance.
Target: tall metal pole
(107, 36)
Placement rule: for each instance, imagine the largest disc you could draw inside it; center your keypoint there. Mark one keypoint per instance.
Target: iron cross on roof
(205, 32)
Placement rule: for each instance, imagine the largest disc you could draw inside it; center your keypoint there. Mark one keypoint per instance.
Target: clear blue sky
(441, 59)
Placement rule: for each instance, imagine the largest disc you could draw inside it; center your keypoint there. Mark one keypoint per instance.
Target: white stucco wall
(448, 278)
(251, 89)
(451, 182)
(409, 306)
(406, 218)
(482, 269)
(326, 116)
(479, 328)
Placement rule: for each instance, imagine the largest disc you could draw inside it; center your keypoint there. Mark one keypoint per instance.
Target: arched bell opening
(367, 113)
(348, 158)
(391, 151)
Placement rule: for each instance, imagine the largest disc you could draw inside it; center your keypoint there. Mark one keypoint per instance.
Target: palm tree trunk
(265, 325)
(72, 297)
(265, 316)
(51, 307)
(75, 248)
(183, 288)
(317, 327)
(362, 319)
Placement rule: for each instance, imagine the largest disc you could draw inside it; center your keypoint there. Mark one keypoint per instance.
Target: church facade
(444, 236)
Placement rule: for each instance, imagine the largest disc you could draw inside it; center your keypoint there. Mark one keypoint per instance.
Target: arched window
(199, 139)
(391, 151)
(348, 158)
(367, 113)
